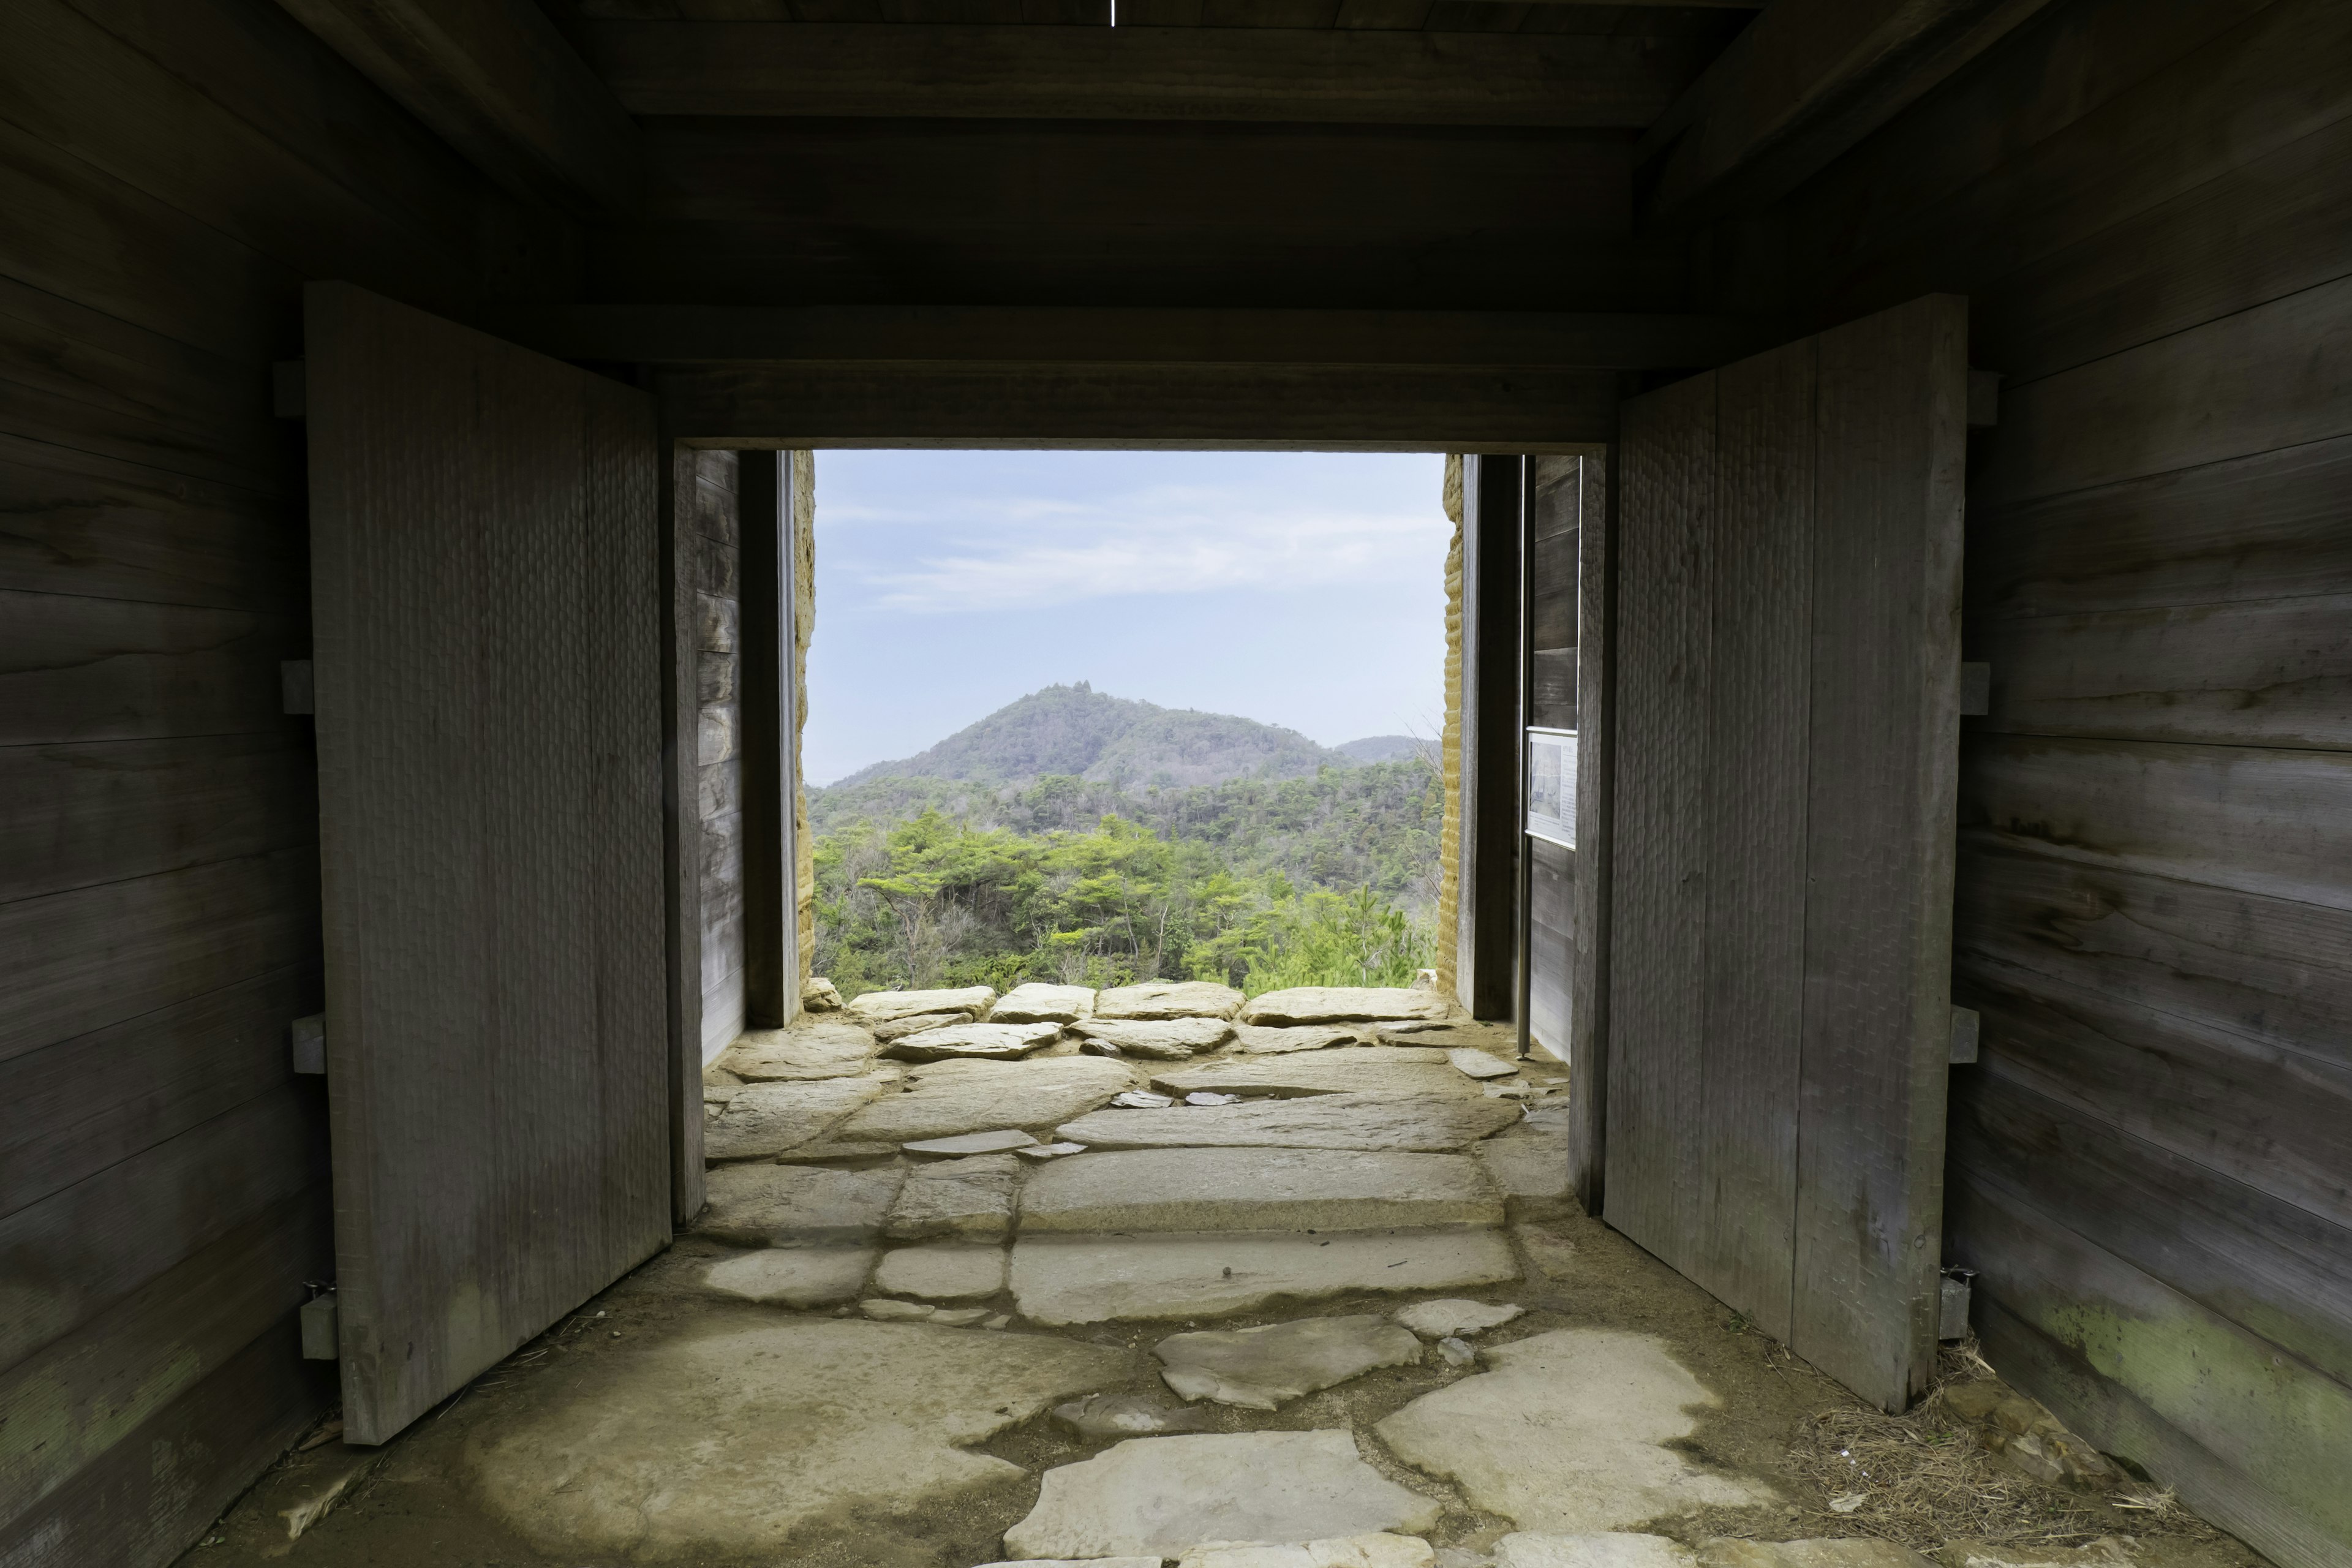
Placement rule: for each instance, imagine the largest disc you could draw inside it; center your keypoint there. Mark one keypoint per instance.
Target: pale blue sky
(1302, 589)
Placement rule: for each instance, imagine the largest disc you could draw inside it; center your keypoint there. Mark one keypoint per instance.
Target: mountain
(1383, 748)
(1077, 730)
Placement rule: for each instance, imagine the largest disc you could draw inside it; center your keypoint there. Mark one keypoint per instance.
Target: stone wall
(1449, 845)
(803, 570)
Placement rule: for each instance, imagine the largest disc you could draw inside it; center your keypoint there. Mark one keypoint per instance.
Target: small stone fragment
(946, 1271)
(880, 1007)
(1049, 1150)
(957, 1317)
(1203, 1097)
(970, 1198)
(1478, 1064)
(986, 1042)
(1457, 1352)
(882, 1309)
(1456, 1317)
(1142, 1100)
(965, 1143)
(1168, 999)
(818, 996)
(1037, 1002)
(1168, 1040)
(1001, 1321)
(1264, 1368)
(1130, 1415)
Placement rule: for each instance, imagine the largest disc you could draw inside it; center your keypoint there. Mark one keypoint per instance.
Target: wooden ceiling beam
(1805, 81)
(908, 70)
(1109, 335)
(501, 85)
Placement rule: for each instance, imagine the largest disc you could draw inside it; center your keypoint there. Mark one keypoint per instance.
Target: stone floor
(1142, 1277)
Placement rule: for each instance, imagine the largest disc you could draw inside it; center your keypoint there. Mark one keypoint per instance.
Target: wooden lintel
(1330, 75)
(499, 84)
(1405, 408)
(1806, 80)
(678, 335)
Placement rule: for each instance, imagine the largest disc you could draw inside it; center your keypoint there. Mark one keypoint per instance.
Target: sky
(1301, 589)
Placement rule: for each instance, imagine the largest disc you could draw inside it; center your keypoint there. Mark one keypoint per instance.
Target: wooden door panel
(486, 601)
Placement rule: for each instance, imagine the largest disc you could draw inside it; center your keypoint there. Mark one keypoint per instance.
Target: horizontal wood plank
(153, 1493)
(1242, 407)
(75, 668)
(84, 1104)
(75, 1254)
(2268, 673)
(2223, 1388)
(1139, 72)
(75, 815)
(2241, 1254)
(2272, 526)
(94, 1388)
(2277, 971)
(83, 960)
(2266, 822)
(2274, 377)
(2265, 1116)
(88, 384)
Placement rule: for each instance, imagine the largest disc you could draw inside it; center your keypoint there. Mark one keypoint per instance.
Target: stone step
(1243, 1189)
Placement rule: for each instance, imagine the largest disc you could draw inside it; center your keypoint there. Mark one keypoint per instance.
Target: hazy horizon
(1300, 589)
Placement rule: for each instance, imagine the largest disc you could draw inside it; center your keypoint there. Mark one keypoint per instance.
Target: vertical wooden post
(681, 831)
(1596, 664)
(771, 965)
(1493, 495)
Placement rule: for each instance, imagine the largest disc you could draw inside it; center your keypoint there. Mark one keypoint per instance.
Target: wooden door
(487, 609)
(1786, 688)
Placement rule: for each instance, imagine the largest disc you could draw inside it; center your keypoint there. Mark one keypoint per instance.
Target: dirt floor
(416, 1502)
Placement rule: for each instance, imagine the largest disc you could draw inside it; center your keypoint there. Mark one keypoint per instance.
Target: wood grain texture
(1137, 72)
(1492, 740)
(2277, 970)
(691, 621)
(771, 978)
(2263, 822)
(94, 957)
(1551, 942)
(2271, 526)
(484, 574)
(2214, 1383)
(1758, 760)
(1596, 753)
(1884, 725)
(1666, 533)
(1236, 408)
(75, 815)
(106, 670)
(2275, 672)
(90, 1102)
(2277, 375)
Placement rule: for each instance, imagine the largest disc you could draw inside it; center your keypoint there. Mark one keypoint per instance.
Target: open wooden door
(487, 602)
(1786, 727)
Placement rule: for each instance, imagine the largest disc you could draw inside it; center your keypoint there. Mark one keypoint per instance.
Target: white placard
(1551, 785)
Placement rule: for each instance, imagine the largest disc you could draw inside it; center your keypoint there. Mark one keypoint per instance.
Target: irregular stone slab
(1566, 1434)
(958, 1317)
(1002, 1141)
(1531, 1160)
(1168, 999)
(1477, 1063)
(799, 1276)
(763, 1119)
(947, 1098)
(818, 996)
(1258, 1039)
(1100, 1279)
(1850, 1551)
(780, 1206)
(833, 1149)
(1346, 1004)
(1530, 1550)
(1037, 1002)
(1265, 1368)
(1404, 1123)
(1255, 1189)
(1437, 1320)
(882, 1309)
(891, 1029)
(986, 1042)
(1381, 1551)
(1162, 1495)
(971, 1197)
(1080, 1563)
(828, 1047)
(1169, 1040)
(725, 1439)
(1343, 1069)
(1142, 1100)
(1130, 1415)
(946, 1272)
(881, 1007)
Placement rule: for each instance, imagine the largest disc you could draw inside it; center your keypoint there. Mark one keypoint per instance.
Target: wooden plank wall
(1555, 514)
(163, 1190)
(2150, 203)
(714, 514)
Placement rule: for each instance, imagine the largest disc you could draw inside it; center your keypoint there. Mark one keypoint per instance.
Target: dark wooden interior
(1416, 224)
